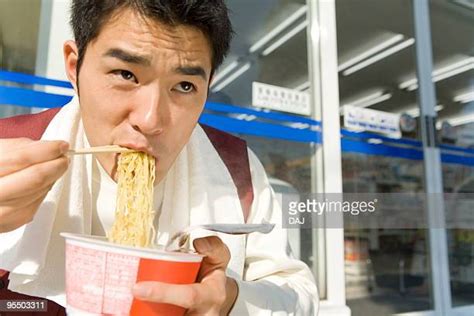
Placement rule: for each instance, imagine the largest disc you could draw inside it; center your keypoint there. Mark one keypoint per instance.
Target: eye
(126, 75)
(185, 87)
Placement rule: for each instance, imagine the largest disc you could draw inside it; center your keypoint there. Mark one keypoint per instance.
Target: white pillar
(325, 94)
(438, 242)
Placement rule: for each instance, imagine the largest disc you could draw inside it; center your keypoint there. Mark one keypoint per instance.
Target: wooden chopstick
(99, 150)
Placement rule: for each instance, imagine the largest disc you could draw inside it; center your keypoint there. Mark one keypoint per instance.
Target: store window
(452, 24)
(19, 24)
(270, 48)
(387, 271)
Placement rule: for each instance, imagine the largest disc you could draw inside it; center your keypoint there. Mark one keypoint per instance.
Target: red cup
(100, 276)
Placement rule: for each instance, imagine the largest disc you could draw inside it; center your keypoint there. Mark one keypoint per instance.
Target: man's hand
(215, 293)
(28, 170)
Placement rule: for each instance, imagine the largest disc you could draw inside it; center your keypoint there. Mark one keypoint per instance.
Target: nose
(150, 113)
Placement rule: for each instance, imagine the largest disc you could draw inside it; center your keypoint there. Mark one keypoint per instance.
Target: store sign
(371, 120)
(280, 99)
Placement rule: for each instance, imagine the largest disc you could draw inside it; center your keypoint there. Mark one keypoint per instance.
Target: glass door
(262, 94)
(387, 268)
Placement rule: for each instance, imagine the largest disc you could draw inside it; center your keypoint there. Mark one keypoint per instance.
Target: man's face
(142, 85)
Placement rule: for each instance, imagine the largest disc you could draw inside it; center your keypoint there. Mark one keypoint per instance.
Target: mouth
(138, 147)
(134, 146)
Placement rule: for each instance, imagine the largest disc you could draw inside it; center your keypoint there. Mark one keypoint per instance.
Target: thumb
(217, 255)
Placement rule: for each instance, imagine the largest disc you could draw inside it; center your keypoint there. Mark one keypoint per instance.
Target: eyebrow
(144, 61)
(128, 57)
(192, 71)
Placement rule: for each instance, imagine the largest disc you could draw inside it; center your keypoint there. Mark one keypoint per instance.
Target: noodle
(133, 225)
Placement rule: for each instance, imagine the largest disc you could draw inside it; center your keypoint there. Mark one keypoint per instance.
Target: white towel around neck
(194, 193)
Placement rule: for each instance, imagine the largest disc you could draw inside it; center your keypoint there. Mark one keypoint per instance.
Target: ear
(71, 55)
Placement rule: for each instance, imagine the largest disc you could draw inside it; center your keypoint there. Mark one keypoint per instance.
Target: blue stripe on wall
(32, 80)
(455, 159)
(456, 148)
(261, 129)
(366, 135)
(380, 150)
(219, 107)
(31, 98)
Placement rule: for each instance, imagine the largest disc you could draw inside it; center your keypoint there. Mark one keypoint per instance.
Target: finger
(180, 295)
(214, 248)
(28, 154)
(216, 252)
(187, 296)
(25, 181)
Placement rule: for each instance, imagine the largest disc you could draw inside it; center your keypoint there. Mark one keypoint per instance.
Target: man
(141, 71)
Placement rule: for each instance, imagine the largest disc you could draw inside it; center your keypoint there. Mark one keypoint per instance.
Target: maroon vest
(231, 149)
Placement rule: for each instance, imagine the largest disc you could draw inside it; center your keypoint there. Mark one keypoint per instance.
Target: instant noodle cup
(100, 276)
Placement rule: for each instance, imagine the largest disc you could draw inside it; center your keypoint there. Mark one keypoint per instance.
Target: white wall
(54, 30)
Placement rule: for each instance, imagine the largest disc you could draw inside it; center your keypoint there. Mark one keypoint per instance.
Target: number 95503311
(23, 305)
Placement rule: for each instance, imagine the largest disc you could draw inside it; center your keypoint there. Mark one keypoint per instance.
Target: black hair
(209, 16)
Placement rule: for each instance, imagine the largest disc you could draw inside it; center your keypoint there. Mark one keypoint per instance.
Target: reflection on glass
(289, 170)
(269, 47)
(387, 270)
(452, 33)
